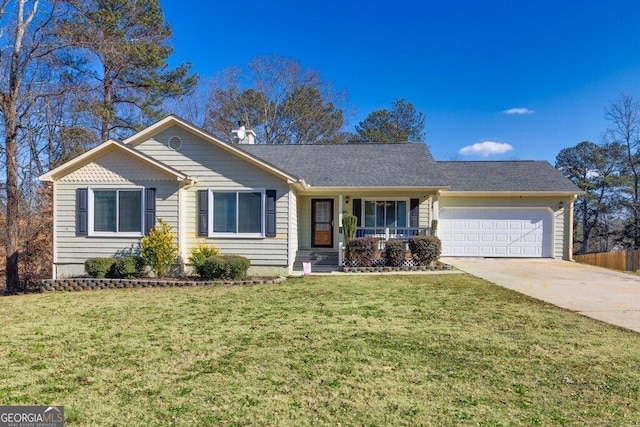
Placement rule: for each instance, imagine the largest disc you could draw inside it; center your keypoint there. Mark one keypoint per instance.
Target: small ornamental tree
(434, 227)
(158, 249)
(349, 226)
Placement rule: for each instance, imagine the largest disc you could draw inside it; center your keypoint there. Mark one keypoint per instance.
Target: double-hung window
(237, 212)
(116, 212)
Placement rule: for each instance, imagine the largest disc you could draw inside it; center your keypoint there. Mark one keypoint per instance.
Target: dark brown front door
(322, 223)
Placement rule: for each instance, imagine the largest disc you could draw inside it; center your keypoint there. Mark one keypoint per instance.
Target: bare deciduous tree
(25, 26)
(623, 115)
(280, 100)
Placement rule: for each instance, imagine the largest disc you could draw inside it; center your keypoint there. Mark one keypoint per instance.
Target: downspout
(570, 246)
(183, 185)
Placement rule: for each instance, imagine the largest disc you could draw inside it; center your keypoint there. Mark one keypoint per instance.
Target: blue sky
(463, 63)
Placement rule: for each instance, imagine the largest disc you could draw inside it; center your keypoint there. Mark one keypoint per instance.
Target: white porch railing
(384, 234)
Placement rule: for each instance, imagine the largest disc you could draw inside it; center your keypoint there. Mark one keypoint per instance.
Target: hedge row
(424, 250)
(126, 267)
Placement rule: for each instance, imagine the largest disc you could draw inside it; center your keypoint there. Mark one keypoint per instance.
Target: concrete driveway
(606, 295)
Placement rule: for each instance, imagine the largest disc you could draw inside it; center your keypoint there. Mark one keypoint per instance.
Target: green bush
(99, 267)
(236, 267)
(158, 248)
(434, 227)
(349, 226)
(424, 249)
(201, 253)
(128, 267)
(394, 252)
(230, 267)
(211, 268)
(363, 250)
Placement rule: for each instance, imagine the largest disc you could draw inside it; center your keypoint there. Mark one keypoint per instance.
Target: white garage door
(496, 232)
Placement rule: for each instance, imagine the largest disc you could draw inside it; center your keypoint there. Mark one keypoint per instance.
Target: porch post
(340, 210)
(435, 206)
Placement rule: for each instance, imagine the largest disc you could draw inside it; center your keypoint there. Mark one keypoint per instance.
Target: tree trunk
(636, 206)
(585, 226)
(13, 197)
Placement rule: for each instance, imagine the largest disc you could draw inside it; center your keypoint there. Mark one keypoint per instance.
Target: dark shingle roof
(354, 165)
(506, 176)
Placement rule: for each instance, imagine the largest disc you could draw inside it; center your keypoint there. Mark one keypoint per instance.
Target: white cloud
(485, 148)
(517, 111)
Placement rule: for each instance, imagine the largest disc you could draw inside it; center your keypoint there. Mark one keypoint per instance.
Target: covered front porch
(384, 215)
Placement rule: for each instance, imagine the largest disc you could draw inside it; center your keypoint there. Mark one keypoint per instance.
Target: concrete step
(321, 261)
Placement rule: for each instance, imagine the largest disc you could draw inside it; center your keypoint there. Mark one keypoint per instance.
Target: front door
(322, 223)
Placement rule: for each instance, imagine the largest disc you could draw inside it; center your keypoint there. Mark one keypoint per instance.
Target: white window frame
(263, 206)
(91, 211)
(385, 199)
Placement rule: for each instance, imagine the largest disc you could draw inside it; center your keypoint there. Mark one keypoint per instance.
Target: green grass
(350, 350)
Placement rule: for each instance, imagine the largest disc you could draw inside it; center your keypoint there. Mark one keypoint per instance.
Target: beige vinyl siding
(560, 216)
(304, 211)
(210, 165)
(213, 167)
(73, 251)
(304, 222)
(263, 251)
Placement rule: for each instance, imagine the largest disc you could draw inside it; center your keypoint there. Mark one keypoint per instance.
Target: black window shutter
(82, 211)
(357, 210)
(150, 209)
(203, 212)
(270, 214)
(414, 215)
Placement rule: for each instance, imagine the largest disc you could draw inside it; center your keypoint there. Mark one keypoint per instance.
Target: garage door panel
(472, 225)
(487, 238)
(486, 251)
(501, 238)
(496, 232)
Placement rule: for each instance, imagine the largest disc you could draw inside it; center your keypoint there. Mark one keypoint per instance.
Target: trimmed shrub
(99, 267)
(158, 248)
(394, 252)
(236, 267)
(211, 268)
(128, 267)
(424, 249)
(201, 253)
(349, 226)
(363, 250)
(231, 267)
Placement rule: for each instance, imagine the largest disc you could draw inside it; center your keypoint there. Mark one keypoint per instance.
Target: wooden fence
(618, 260)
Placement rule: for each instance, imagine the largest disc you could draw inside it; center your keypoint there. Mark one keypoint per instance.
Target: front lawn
(347, 350)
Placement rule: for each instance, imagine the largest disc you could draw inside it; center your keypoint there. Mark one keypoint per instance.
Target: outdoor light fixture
(346, 200)
(561, 204)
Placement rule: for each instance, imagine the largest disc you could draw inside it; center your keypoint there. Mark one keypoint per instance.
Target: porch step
(322, 261)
